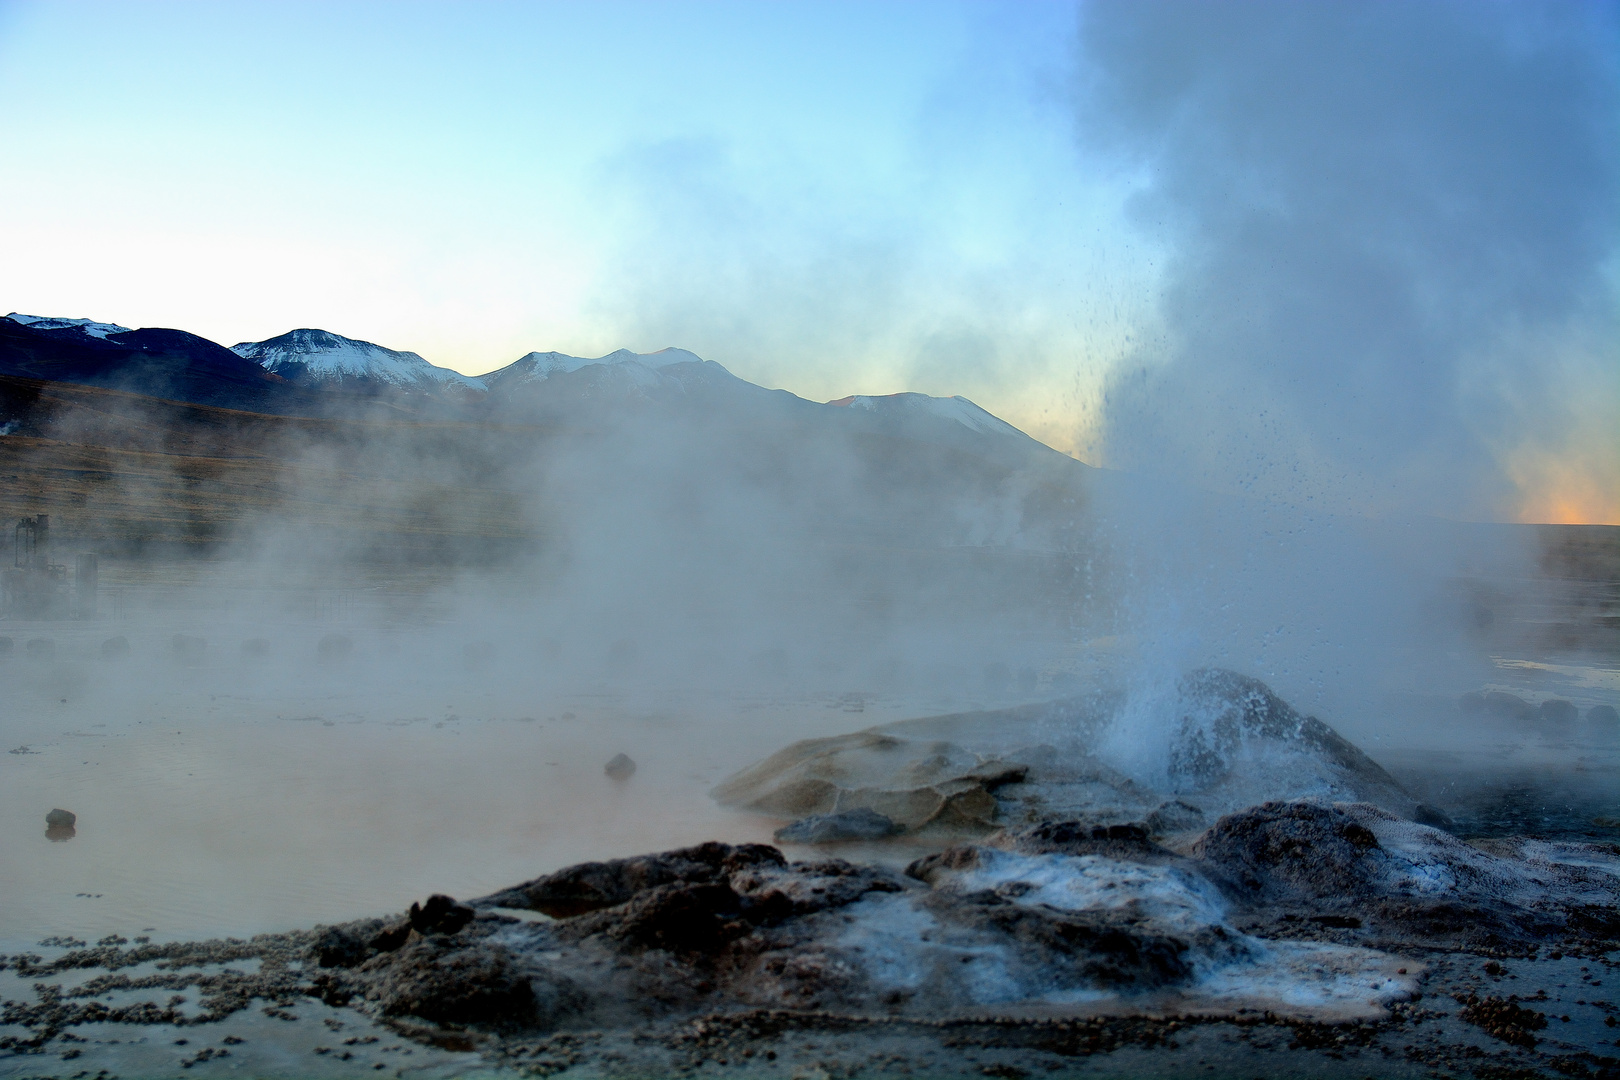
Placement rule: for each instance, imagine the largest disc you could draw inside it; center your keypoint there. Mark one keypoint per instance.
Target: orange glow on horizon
(1555, 492)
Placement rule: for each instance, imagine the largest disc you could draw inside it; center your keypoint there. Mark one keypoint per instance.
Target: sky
(1361, 256)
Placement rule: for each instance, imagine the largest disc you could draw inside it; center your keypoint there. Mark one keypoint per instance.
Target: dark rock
(481, 983)
(61, 818)
(188, 649)
(620, 767)
(595, 885)
(440, 915)
(114, 648)
(1603, 714)
(777, 892)
(1106, 948)
(1078, 838)
(1291, 850)
(1559, 711)
(41, 648)
(688, 919)
(859, 824)
(390, 938)
(337, 946)
(333, 648)
(1433, 817)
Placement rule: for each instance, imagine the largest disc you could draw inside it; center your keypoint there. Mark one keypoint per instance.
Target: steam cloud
(1393, 230)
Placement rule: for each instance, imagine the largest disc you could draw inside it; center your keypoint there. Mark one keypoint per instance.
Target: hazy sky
(866, 198)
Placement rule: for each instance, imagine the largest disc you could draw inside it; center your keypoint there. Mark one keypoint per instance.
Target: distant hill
(319, 358)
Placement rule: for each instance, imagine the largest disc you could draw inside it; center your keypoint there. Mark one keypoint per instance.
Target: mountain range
(312, 372)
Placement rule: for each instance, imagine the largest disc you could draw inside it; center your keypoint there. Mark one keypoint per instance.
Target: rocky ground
(1291, 937)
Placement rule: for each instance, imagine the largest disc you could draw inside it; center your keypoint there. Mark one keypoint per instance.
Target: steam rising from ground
(1393, 236)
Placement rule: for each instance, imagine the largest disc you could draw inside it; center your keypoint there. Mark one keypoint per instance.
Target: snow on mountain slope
(317, 356)
(538, 366)
(957, 409)
(89, 326)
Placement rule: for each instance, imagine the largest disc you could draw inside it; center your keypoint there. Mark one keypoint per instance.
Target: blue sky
(832, 198)
(1356, 253)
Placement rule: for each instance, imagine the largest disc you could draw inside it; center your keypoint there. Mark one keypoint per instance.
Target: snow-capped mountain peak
(320, 356)
(538, 366)
(89, 326)
(956, 409)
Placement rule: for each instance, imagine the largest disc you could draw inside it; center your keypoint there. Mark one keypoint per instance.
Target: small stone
(620, 767)
(1603, 714)
(61, 819)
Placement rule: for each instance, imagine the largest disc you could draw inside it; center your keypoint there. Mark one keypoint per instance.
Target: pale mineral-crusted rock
(918, 784)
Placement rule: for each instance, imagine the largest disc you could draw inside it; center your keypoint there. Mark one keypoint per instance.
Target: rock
(256, 647)
(595, 885)
(333, 648)
(1603, 714)
(481, 983)
(1413, 880)
(115, 647)
(1129, 840)
(440, 915)
(832, 828)
(61, 819)
(917, 784)
(337, 946)
(188, 649)
(1558, 711)
(41, 648)
(620, 767)
(1286, 850)
(1095, 949)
